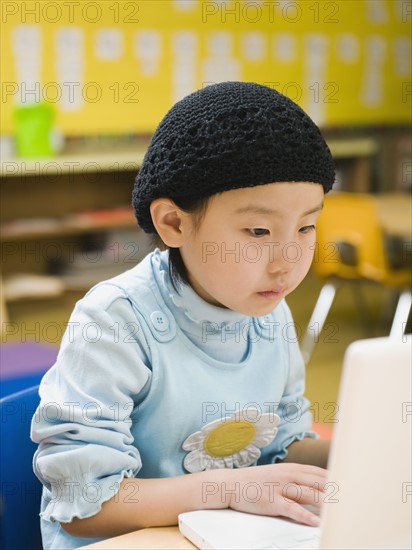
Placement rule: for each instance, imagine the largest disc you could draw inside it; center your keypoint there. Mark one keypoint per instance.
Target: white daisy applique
(233, 441)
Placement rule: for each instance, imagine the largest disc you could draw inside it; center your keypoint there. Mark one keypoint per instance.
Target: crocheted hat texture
(227, 136)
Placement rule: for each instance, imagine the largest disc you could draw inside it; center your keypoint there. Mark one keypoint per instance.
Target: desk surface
(395, 213)
(156, 538)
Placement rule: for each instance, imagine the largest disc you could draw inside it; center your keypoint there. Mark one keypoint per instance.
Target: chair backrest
(350, 242)
(20, 491)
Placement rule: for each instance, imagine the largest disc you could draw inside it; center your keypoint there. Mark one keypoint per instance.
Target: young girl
(179, 383)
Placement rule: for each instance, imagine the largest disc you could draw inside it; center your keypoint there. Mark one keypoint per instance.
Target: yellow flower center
(229, 438)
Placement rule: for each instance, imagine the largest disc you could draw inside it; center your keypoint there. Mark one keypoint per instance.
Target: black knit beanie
(226, 136)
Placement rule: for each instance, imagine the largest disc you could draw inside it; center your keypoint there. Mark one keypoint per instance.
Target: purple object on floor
(24, 359)
(23, 365)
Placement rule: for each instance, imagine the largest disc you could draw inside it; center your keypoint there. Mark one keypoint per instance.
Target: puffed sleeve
(294, 407)
(83, 422)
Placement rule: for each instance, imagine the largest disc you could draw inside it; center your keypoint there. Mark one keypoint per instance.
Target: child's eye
(258, 231)
(307, 229)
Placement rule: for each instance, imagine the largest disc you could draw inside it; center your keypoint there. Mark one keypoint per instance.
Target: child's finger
(315, 471)
(295, 511)
(308, 478)
(304, 495)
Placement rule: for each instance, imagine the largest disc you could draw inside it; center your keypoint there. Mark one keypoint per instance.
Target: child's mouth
(272, 294)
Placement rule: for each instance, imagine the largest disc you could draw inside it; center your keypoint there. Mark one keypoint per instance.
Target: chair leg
(317, 320)
(4, 317)
(362, 308)
(401, 314)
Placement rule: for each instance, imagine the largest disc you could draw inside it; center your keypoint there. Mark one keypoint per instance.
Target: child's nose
(283, 258)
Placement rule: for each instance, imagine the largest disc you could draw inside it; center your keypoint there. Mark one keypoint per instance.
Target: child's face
(253, 246)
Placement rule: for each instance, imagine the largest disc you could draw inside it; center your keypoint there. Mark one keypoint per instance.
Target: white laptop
(370, 468)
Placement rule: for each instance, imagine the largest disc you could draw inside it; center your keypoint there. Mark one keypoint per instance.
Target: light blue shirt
(141, 369)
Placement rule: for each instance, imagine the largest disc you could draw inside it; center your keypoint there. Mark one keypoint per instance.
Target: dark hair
(177, 268)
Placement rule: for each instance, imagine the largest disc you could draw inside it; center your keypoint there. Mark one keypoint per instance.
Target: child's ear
(167, 219)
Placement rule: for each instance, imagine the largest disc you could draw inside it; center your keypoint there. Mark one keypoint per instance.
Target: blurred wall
(116, 67)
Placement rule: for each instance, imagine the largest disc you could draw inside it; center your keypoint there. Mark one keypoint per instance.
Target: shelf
(352, 148)
(74, 163)
(25, 286)
(71, 224)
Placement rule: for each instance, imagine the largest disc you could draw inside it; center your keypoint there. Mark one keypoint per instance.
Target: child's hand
(278, 490)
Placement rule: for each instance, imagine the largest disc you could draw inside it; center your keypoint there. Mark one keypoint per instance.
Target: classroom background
(84, 86)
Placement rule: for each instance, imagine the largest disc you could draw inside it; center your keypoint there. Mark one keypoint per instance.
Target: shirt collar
(190, 310)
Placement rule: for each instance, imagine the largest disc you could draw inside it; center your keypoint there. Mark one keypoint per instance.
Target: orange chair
(351, 247)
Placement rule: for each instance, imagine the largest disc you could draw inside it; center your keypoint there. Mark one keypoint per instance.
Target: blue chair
(20, 491)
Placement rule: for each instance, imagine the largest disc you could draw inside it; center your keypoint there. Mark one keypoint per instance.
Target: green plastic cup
(33, 130)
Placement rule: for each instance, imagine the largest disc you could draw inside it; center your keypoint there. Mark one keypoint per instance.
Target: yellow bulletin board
(114, 67)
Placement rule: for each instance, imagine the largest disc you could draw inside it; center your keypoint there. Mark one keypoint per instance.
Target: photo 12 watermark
(272, 12)
(39, 252)
(268, 491)
(87, 172)
(406, 94)
(77, 12)
(289, 411)
(85, 414)
(253, 252)
(252, 332)
(52, 332)
(315, 92)
(71, 91)
(406, 412)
